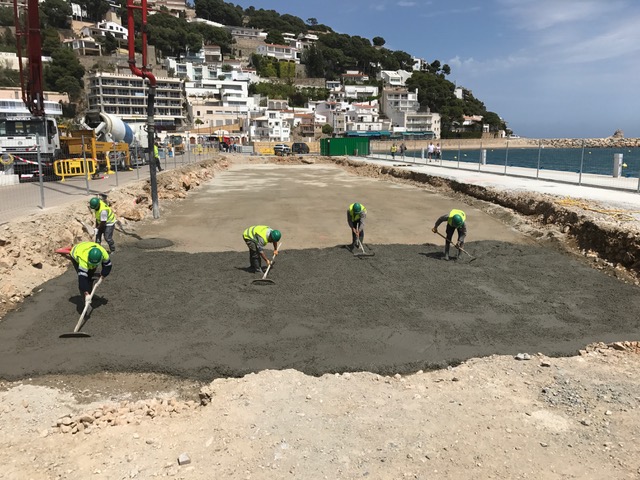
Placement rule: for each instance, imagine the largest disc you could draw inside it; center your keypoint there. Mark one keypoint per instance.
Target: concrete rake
(87, 308)
(264, 280)
(459, 248)
(362, 253)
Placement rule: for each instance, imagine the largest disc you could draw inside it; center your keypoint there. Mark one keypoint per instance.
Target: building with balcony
(270, 127)
(84, 46)
(396, 78)
(279, 52)
(101, 29)
(11, 103)
(126, 96)
(402, 108)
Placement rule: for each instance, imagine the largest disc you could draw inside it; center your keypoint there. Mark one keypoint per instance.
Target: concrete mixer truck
(103, 138)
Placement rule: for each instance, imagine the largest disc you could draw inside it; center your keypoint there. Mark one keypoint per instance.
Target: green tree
(275, 37)
(56, 13)
(6, 17)
(327, 129)
(65, 73)
(219, 11)
(109, 43)
(9, 77)
(379, 41)
(312, 21)
(494, 121)
(96, 9)
(313, 62)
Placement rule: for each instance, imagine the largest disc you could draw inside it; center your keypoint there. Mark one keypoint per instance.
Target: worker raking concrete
(456, 220)
(105, 222)
(86, 257)
(356, 215)
(256, 238)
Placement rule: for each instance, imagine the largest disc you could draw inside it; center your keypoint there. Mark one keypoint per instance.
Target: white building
(126, 96)
(11, 103)
(401, 106)
(101, 29)
(280, 52)
(84, 46)
(392, 78)
(272, 126)
(365, 117)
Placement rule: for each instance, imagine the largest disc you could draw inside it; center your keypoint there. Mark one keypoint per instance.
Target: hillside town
(207, 94)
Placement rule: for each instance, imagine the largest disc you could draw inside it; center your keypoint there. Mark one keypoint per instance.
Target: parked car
(282, 149)
(300, 148)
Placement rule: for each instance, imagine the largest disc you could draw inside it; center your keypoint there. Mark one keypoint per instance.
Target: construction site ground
(519, 364)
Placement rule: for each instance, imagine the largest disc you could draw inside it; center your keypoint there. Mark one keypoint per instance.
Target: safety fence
(605, 167)
(33, 180)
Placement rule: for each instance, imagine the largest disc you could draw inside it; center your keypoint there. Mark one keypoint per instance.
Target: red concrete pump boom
(31, 82)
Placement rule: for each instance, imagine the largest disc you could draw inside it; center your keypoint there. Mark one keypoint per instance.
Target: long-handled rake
(362, 253)
(459, 248)
(264, 280)
(87, 308)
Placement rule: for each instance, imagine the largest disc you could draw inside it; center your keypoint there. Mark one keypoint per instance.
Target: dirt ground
(400, 365)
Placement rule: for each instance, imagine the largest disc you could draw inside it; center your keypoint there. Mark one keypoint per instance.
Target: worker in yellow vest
(356, 215)
(105, 222)
(86, 257)
(456, 220)
(256, 238)
(156, 156)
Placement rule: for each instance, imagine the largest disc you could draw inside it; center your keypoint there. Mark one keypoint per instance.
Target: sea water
(593, 160)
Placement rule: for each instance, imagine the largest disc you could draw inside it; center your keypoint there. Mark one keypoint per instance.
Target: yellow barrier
(74, 167)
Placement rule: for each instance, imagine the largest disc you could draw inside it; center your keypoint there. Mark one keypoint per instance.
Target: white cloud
(406, 4)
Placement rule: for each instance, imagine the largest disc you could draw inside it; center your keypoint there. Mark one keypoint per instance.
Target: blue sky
(550, 68)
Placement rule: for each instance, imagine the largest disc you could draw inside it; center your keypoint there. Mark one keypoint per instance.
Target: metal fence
(605, 167)
(31, 183)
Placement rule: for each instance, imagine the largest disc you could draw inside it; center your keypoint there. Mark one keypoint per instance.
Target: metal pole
(117, 160)
(151, 133)
(137, 161)
(539, 153)
(459, 153)
(581, 165)
(480, 159)
(175, 158)
(506, 157)
(86, 165)
(40, 169)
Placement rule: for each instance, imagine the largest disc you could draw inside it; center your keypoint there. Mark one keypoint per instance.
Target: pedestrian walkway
(554, 183)
(28, 198)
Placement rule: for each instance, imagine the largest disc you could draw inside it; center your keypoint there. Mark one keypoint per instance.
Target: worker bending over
(256, 238)
(86, 257)
(455, 221)
(356, 214)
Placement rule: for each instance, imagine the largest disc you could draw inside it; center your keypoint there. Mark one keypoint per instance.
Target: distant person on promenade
(394, 149)
(356, 214)
(456, 220)
(403, 148)
(86, 257)
(430, 150)
(438, 151)
(156, 155)
(256, 238)
(105, 222)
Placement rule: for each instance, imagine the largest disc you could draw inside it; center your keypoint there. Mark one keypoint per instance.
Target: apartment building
(402, 108)
(11, 103)
(396, 78)
(280, 52)
(101, 29)
(126, 96)
(272, 127)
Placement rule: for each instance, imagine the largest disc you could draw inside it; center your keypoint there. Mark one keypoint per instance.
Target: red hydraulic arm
(33, 85)
(145, 74)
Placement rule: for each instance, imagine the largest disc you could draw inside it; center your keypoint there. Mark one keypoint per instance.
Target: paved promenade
(24, 199)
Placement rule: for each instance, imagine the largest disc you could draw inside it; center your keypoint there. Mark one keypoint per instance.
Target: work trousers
(254, 254)
(357, 226)
(108, 237)
(447, 244)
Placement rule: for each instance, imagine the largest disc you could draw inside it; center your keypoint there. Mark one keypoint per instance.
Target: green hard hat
(357, 208)
(95, 256)
(457, 220)
(275, 235)
(94, 203)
